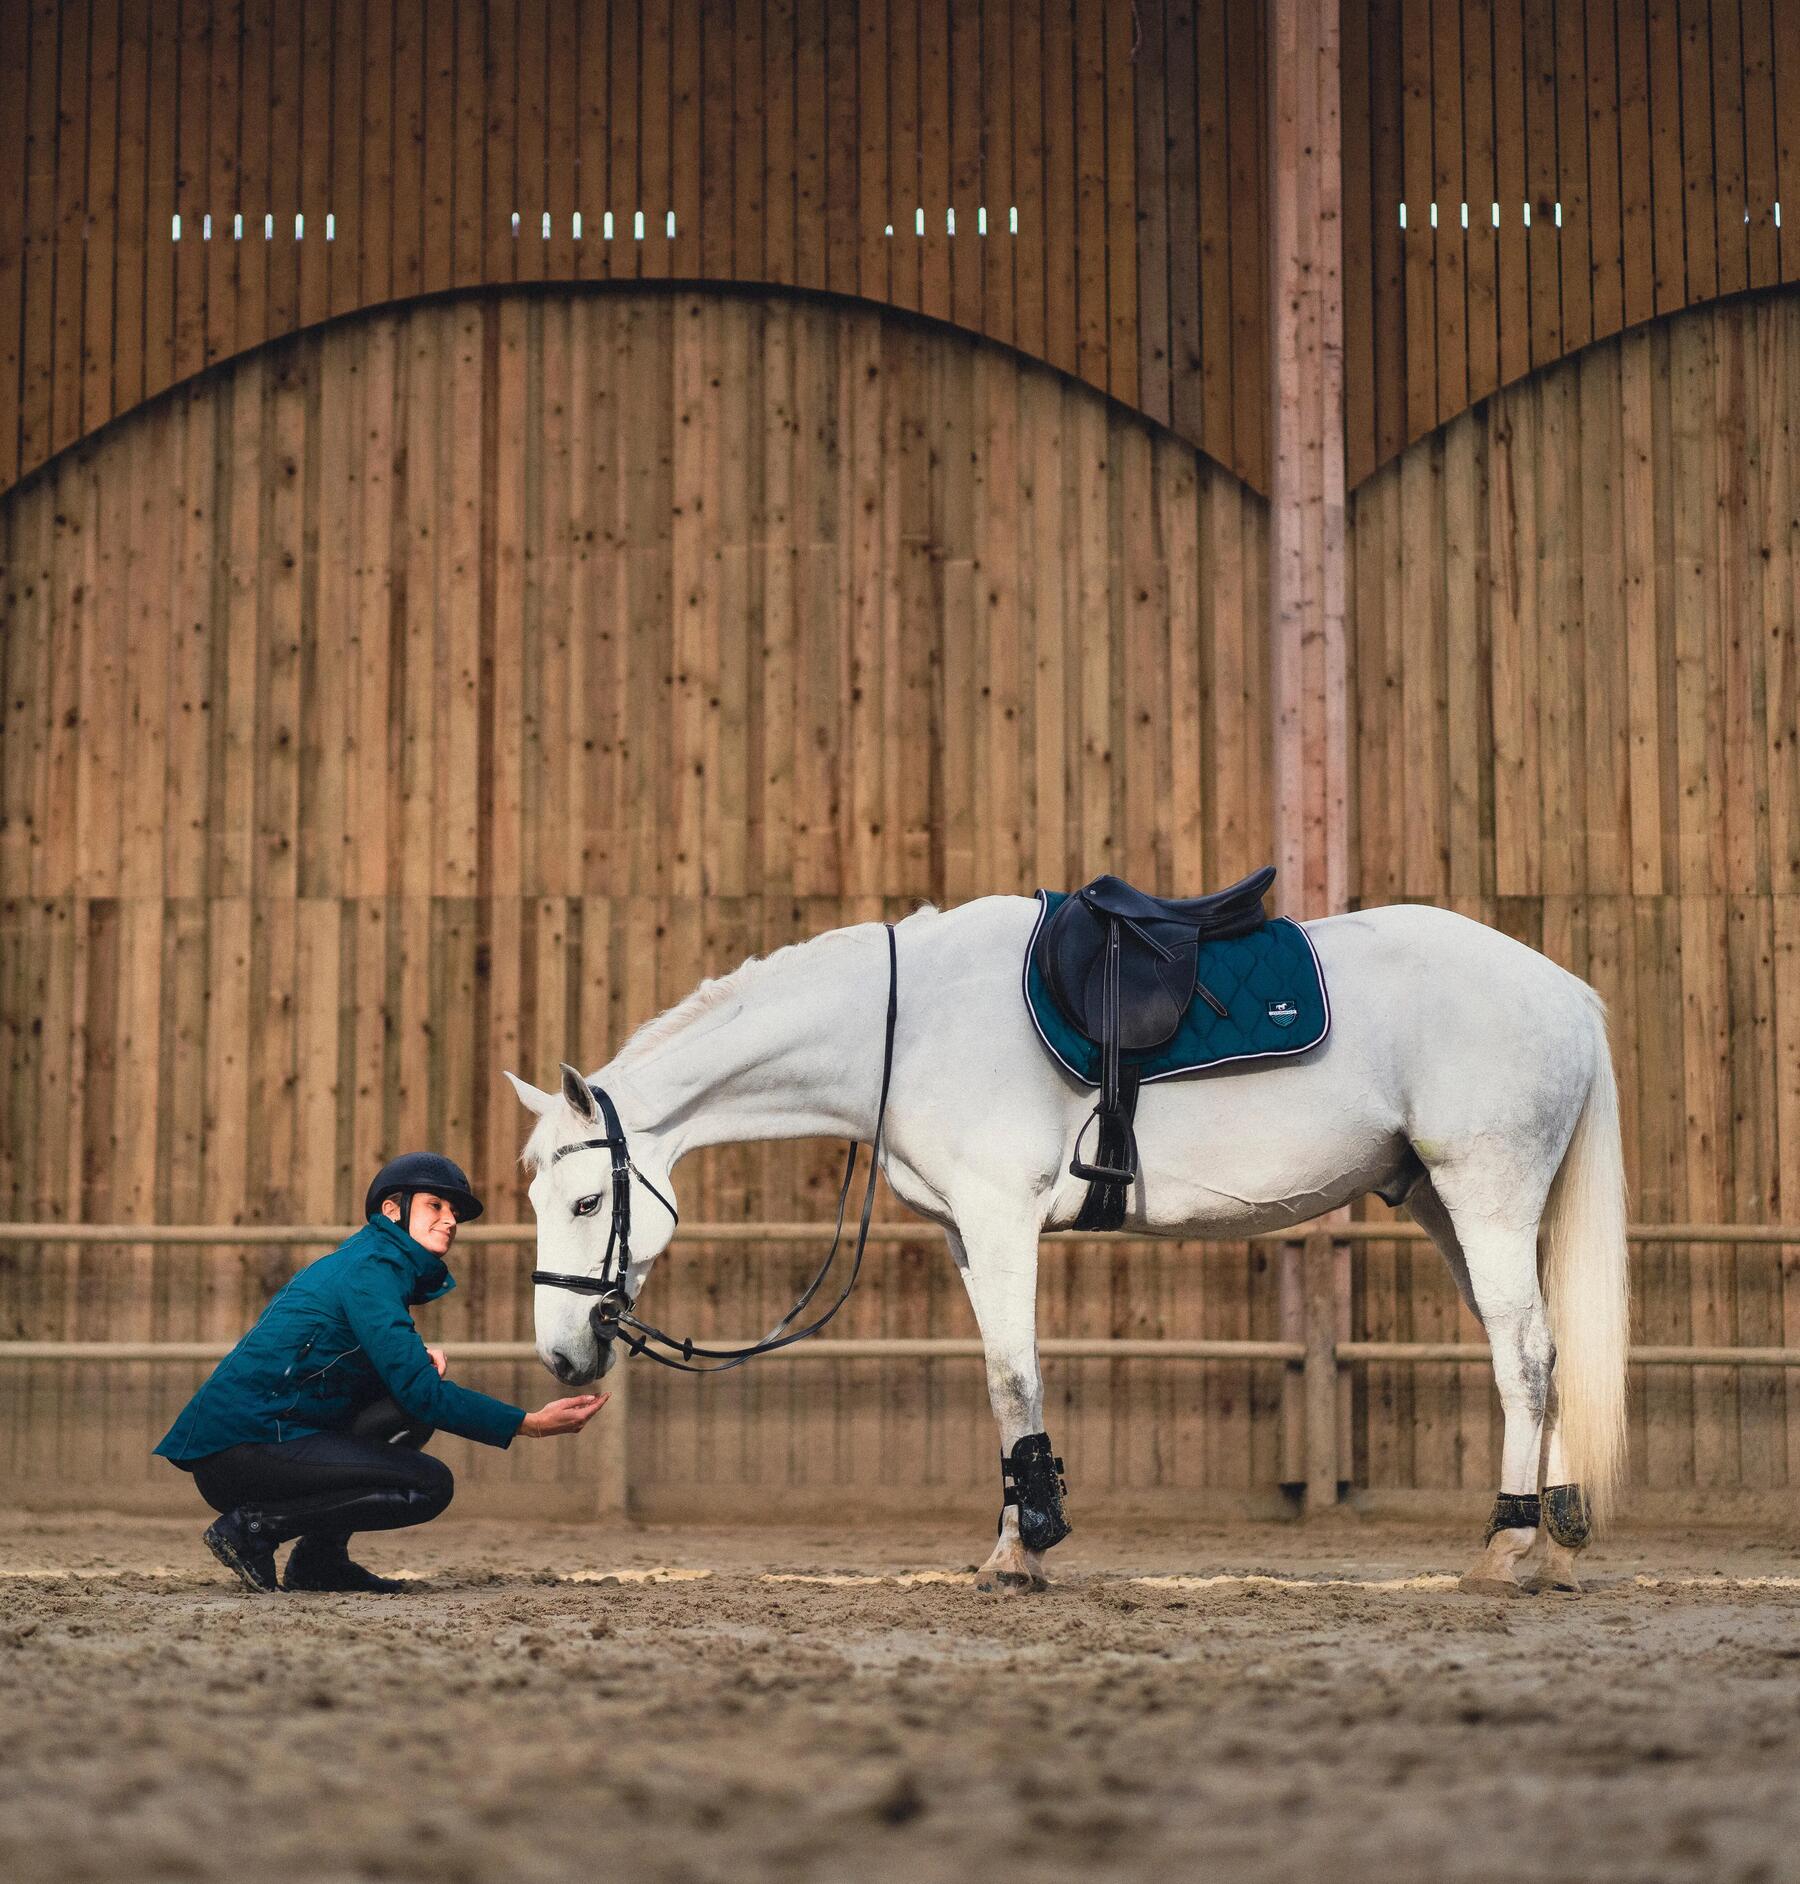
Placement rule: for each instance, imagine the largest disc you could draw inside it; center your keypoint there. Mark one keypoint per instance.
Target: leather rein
(614, 1314)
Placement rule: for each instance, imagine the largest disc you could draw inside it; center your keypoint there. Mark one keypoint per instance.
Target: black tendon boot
(323, 1563)
(244, 1542)
(1032, 1479)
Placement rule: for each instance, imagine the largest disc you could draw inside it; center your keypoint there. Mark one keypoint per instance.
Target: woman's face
(433, 1222)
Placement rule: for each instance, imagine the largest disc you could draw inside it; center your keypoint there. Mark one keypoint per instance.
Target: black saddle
(1122, 967)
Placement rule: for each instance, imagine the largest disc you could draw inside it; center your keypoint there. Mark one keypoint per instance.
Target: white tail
(1582, 1241)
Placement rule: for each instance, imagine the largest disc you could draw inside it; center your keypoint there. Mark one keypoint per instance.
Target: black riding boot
(244, 1542)
(319, 1562)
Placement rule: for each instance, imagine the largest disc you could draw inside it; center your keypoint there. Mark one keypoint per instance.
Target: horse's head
(601, 1221)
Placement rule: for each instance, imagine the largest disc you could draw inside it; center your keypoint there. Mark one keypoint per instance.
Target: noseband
(614, 1314)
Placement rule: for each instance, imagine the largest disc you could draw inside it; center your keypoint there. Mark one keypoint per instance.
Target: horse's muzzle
(570, 1371)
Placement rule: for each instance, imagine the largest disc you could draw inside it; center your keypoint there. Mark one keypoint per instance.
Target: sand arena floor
(1246, 1703)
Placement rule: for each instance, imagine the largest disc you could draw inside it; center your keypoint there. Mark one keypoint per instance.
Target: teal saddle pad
(1269, 980)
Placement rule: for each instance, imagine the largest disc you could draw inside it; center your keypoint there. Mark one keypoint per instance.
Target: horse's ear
(532, 1098)
(581, 1100)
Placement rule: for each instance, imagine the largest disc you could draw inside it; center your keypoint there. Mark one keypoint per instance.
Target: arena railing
(1315, 1353)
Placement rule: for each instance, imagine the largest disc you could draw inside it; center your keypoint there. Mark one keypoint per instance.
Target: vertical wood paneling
(1617, 159)
(1572, 179)
(1245, 55)
(68, 226)
(1614, 788)
(421, 131)
(40, 195)
(1102, 166)
(316, 108)
(1606, 222)
(14, 142)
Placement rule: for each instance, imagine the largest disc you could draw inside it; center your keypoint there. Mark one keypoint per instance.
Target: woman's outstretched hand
(563, 1416)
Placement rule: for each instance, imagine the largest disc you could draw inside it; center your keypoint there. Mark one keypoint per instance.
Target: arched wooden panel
(1080, 179)
(1522, 177)
(1576, 682)
(448, 689)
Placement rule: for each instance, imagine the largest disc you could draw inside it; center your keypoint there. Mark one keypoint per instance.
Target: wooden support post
(1306, 509)
(1293, 1375)
(1321, 1370)
(1307, 640)
(1346, 1401)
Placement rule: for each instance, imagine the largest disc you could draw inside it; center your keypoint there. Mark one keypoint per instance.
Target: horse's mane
(712, 994)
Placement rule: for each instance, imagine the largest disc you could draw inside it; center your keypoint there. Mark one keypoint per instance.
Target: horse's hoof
(1496, 1571)
(1483, 1582)
(1553, 1570)
(1010, 1583)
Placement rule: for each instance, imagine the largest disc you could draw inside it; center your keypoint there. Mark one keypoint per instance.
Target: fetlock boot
(323, 1563)
(244, 1542)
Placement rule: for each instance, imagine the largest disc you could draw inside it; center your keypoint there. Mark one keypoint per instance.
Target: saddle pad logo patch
(1283, 1013)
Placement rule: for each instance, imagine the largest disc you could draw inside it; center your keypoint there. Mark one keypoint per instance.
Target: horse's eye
(586, 1206)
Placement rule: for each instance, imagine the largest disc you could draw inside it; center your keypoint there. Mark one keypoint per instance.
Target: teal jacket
(339, 1337)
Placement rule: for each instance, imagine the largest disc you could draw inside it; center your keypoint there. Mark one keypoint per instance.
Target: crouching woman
(312, 1427)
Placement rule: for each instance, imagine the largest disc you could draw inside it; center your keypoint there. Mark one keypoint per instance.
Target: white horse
(1464, 1073)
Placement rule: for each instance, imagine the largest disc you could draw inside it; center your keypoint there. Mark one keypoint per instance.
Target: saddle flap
(1154, 990)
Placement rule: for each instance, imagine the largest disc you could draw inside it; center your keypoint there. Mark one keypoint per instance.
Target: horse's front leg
(999, 1270)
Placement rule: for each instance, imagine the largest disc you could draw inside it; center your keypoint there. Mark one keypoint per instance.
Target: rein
(614, 1312)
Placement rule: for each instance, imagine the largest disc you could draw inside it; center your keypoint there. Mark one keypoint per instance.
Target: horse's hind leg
(1553, 1567)
(1496, 1268)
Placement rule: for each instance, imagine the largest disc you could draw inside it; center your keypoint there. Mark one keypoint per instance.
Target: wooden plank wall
(330, 155)
(449, 690)
(1566, 170)
(1576, 682)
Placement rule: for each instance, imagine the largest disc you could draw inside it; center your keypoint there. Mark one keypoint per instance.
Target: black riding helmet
(423, 1171)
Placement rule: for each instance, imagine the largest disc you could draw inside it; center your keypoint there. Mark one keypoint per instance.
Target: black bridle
(614, 1315)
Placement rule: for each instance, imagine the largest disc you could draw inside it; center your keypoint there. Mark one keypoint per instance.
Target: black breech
(370, 1477)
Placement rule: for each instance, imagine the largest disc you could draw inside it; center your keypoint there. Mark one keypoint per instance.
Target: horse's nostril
(563, 1365)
